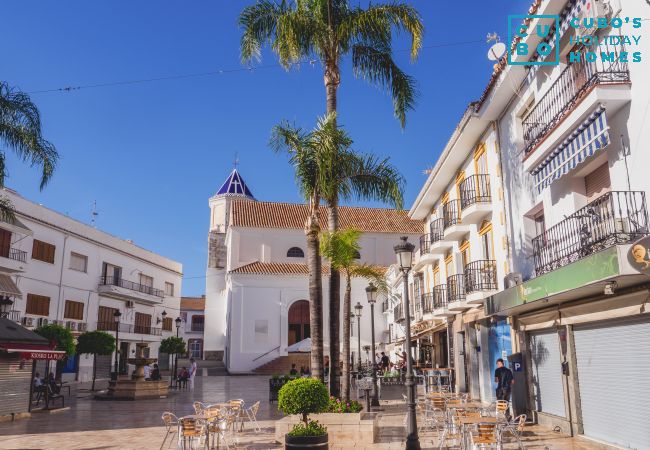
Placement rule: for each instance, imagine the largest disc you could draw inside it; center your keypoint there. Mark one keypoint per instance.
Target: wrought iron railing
(436, 229)
(440, 296)
(475, 189)
(481, 276)
(398, 313)
(15, 254)
(451, 213)
(13, 315)
(120, 282)
(129, 328)
(569, 87)
(425, 244)
(456, 288)
(618, 217)
(427, 303)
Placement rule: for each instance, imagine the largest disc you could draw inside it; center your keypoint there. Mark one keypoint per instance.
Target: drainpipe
(58, 304)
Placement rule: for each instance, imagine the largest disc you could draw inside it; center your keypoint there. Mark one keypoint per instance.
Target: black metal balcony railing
(618, 217)
(436, 228)
(481, 276)
(198, 327)
(456, 288)
(451, 213)
(129, 328)
(425, 244)
(15, 254)
(115, 281)
(398, 313)
(475, 189)
(427, 303)
(440, 296)
(570, 86)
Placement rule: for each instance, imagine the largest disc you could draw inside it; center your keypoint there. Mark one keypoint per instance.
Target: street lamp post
(357, 309)
(404, 253)
(178, 327)
(116, 318)
(371, 293)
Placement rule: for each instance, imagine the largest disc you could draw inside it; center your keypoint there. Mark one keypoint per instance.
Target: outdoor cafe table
(465, 422)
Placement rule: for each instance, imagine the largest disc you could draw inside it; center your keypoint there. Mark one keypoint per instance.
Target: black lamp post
(5, 304)
(116, 318)
(404, 253)
(357, 310)
(371, 293)
(178, 327)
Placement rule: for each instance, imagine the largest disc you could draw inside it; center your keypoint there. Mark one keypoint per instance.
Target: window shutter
(598, 182)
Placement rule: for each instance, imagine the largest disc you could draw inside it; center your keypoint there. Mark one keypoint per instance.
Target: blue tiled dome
(235, 186)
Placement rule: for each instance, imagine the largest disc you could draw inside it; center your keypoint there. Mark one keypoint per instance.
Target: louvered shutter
(598, 182)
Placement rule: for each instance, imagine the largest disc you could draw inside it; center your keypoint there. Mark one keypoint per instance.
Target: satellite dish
(496, 51)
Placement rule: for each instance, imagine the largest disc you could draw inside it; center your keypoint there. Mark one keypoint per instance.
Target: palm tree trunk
(315, 295)
(334, 311)
(332, 81)
(347, 305)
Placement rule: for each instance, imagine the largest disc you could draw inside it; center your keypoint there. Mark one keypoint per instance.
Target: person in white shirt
(147, 372)
(192, 372)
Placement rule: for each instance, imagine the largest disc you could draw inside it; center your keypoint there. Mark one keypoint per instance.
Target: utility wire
(311, 62)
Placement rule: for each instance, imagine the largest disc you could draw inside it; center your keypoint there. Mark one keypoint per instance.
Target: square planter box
(359, 428)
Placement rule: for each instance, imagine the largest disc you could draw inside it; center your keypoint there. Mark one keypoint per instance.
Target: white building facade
(58, 270)
(257, 280)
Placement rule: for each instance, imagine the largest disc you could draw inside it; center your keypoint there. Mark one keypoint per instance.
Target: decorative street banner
(639, 255)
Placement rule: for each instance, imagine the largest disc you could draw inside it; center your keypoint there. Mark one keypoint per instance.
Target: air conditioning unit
(130, 304)
(70, 325)
(42, 321)
(82, 326)
(58, 322)
(28, 321)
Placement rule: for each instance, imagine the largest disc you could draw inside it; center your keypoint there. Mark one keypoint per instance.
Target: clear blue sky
(151, 154)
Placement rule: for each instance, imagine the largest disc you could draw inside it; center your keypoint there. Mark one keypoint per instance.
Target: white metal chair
(171, 427)
(251, 414)
(515, 427)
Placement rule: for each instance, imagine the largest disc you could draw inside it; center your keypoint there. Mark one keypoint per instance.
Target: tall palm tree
(20, 131)
(328, 30)
(310, 154)
(340, 248)
(364, 177)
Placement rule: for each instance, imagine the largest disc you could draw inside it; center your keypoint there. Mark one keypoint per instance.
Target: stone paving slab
(91, 424)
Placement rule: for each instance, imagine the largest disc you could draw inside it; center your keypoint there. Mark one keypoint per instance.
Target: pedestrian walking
(192, 373)
(504, 379)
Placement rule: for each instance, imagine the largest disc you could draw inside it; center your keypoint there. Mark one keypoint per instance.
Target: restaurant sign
(47, 355)
(639, 255)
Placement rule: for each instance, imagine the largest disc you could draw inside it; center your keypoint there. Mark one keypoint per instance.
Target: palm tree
(20, 130)
(328, 30)
(310, 154)
(340, 248)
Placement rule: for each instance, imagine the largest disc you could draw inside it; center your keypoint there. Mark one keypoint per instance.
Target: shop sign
(639, 255)
(50, 356)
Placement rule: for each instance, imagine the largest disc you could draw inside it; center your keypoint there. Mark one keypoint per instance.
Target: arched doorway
(298, 321)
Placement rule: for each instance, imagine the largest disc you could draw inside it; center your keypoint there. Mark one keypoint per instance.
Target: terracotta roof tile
(193, 303)
(294, 215)
(278, 268)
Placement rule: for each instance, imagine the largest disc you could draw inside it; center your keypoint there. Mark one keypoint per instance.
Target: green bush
(312, 428)
(303, 396)
(335, 405)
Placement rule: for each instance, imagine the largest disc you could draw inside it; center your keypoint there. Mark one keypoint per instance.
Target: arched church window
(295, 252)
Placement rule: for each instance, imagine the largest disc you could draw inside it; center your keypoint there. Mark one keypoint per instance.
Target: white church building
(257, 277)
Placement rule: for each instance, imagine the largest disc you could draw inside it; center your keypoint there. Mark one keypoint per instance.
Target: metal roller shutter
(103, 367)
(613, 367)
(548, 386)
(15, 379)
(598, 182)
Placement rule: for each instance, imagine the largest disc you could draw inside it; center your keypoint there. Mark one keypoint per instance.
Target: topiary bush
(303, 396)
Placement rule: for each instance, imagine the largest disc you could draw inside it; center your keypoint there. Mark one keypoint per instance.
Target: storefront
(584, 333)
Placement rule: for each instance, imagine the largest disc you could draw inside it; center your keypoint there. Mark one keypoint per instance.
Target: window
(43, 251)
(73, 310)
(38, 305)
(184, 317)
(106, 319)
(464, 253)
(295, 252)
(197, 323)
(111, 273)
(487, 240)
(142, 323)
(480, 160)
(146, 280)
(167, 324)
(540, 224)
(78, 262)
(5, 243)
(169, 288)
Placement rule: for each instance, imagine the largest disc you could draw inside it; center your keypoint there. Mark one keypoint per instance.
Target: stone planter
(354, 428)
(306, 443)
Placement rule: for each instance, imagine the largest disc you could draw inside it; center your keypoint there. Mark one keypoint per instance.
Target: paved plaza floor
(92, 424)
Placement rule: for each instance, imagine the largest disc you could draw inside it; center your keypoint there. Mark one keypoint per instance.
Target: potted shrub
(304, 396)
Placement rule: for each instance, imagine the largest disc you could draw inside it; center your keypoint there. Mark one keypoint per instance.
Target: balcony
(456, 293)
(129, 328)
(425, 256)
(427, 303)
(570, 88)
(13, 260)
(475, 198)
(480, 280)
(439, 301)
(615, 218)
(437, 244)
(454, 228)
(12, 315)
(128, 290)
(398, 313)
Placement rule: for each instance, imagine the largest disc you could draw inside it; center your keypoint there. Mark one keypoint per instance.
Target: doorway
(124, 354)
(298, 322)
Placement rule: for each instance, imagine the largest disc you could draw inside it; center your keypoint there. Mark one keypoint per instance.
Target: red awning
(34, 351)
